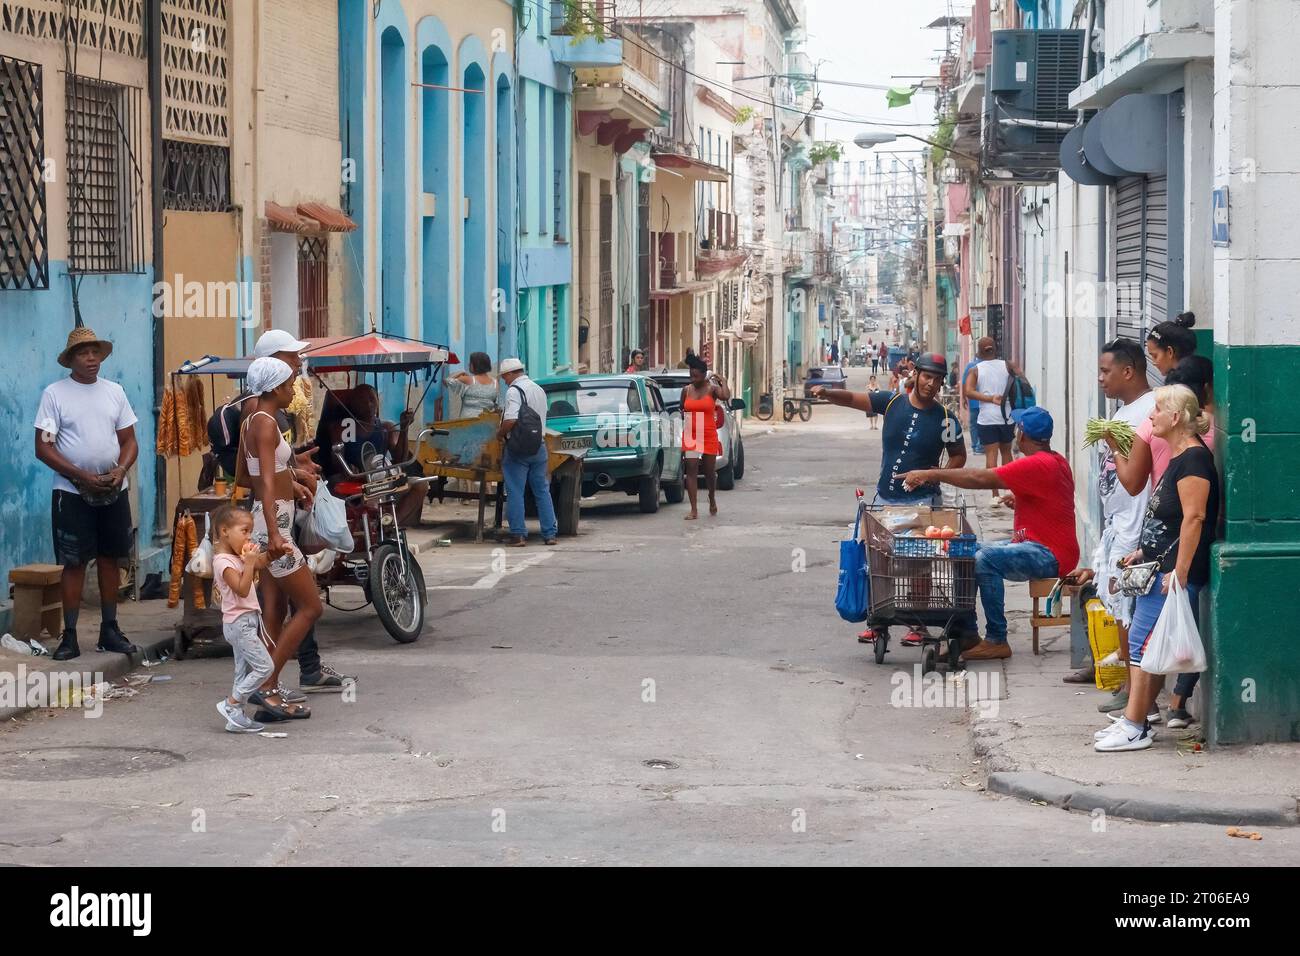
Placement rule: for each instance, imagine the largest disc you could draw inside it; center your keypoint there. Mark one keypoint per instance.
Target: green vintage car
(635, 440)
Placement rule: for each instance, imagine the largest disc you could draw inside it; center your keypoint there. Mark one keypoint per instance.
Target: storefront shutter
(1129, 257)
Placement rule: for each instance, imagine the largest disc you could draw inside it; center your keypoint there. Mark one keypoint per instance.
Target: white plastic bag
(322, 561)
(326, 525)
(1175, 644)
(201, 563)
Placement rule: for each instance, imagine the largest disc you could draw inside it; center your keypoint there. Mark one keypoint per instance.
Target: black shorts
(996, 434)
(83, 532)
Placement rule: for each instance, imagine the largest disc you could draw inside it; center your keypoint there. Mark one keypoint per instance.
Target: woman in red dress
(700, 430)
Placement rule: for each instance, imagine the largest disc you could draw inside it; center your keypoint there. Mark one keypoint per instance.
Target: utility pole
(934, 340)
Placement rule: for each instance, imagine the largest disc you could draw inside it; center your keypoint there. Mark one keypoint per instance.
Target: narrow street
(520, 728)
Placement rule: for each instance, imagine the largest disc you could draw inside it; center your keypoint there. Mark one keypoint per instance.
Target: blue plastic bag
(852, 593)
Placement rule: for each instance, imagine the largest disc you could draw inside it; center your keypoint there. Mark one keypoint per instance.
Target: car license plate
(575, 443)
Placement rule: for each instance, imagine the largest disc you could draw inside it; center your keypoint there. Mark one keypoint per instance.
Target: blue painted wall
(504, 294)
(34, 328)
(352, 130)
(435, 234)
(475, 320)
(393, 199)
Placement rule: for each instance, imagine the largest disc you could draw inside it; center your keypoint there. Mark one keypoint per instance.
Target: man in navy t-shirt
(916, 432)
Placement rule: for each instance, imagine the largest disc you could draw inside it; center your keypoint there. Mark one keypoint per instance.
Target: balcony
(584, 34)
(617, 99)
(1144, 39)
(669, 278)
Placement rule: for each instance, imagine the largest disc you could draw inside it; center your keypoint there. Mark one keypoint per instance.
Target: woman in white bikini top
(290, 581)
(282, 451)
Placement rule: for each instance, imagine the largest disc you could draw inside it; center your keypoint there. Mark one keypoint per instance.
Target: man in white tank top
(987, 384)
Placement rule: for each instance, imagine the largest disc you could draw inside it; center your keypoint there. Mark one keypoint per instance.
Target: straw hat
(83, 335)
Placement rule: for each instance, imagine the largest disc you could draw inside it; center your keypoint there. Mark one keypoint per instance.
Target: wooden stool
(38, 605)
(1040, 588)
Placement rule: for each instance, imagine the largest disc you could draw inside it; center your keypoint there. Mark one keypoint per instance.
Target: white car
(731, 463)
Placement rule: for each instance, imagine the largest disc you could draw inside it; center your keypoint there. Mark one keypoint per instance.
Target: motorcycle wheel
(397, 589)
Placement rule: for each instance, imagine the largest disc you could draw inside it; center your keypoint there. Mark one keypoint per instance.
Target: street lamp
(872, 138)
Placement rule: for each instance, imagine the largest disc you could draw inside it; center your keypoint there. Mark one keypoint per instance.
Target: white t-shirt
(532, 391)
(84, 420)
(992, 378)
(1124, 512)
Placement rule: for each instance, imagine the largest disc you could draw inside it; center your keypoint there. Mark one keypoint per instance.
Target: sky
(875, 41)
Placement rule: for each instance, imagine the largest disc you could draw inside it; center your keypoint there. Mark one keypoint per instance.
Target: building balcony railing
(719, 231)
(584, 34)
(668, 277)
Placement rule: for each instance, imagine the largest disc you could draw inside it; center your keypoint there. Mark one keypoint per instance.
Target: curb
(1140, 803)
(455, 530)
(112, 666)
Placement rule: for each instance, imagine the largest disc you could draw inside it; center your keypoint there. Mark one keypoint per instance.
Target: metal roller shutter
(1155, 253)
(1129, 257)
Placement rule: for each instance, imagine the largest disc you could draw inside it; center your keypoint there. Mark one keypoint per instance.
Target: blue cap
(1035, 422)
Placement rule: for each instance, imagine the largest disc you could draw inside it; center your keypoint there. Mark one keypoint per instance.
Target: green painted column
(1253, 685)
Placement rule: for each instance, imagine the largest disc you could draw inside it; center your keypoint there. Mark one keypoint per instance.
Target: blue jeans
(1146, 611)
(995, 563)
(530, 472)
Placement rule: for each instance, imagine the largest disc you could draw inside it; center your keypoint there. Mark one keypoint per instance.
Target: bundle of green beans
(1098, 428)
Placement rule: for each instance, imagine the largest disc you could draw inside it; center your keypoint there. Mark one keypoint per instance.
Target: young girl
(234, 565)
(873, 421)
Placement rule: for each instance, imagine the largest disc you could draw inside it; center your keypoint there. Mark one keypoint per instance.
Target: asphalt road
(525, 725)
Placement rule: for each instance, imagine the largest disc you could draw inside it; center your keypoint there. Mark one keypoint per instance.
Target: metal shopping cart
(918, 582)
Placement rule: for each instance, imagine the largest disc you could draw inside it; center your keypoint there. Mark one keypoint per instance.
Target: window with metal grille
(105, 178)
(313, 286)
(196, 176)
(24, 250)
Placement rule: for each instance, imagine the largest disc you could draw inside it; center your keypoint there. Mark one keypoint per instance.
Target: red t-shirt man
(1044, 488)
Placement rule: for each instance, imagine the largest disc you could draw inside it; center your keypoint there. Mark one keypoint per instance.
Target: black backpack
(525, 438)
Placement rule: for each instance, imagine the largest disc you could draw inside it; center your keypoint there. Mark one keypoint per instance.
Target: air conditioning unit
(1027, 113)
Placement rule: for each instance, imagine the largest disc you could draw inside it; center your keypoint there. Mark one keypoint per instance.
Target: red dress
(699, 425)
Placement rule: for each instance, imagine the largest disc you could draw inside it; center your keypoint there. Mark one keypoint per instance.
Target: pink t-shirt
(232, 605)
(1160, 449)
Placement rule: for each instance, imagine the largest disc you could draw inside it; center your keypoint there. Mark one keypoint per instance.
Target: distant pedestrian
(987, 383)
(523, 429)
(635, 367)
(700, 442)
(972, 411)
(234, 567)
(85, 434)
(873, 421)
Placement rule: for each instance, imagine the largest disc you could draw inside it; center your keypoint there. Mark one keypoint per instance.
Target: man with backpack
(987, 383)
(523, 429)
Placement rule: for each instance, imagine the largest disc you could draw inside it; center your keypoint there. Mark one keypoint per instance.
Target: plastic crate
(1103, 638)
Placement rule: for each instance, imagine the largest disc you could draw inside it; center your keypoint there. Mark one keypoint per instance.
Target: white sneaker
(238, 722)
(1114, 727)
(1124, 739)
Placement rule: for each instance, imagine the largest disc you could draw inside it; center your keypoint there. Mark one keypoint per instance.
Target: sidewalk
(1036, 743)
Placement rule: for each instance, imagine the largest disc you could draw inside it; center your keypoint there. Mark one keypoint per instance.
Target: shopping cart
(918, 582)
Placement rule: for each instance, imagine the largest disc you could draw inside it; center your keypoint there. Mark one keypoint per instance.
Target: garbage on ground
(1244, 834)
(15, 646)
(272, 733)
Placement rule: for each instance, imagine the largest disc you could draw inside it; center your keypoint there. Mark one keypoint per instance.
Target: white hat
(511, 365)
(277, 340)
(266, 374)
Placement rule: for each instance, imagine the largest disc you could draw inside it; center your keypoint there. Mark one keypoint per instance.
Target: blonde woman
(1176, 533)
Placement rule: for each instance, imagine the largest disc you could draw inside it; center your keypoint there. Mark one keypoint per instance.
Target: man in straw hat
(85, 433)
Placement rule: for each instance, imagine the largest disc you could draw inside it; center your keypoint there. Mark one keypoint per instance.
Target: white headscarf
(266, 374)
